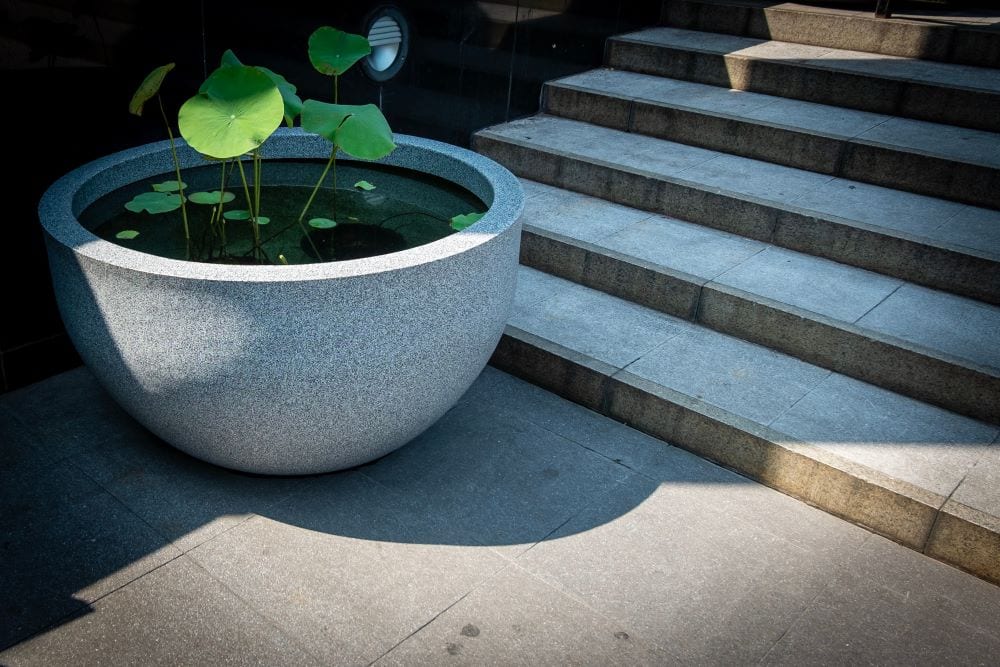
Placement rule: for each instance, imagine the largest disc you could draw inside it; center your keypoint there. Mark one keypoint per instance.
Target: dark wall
(69, 68)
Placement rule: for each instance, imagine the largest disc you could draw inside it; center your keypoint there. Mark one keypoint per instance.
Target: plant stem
(250, 206)
(219, 218)
(336, 89)
(177, 171)
(312, 195)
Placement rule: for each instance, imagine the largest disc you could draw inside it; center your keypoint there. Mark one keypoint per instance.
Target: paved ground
(519, 529)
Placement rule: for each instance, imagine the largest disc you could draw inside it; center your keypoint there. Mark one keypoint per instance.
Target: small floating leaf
(154, 202)
(332, 51)
(322, 223)
(127, 234)
(244, 215)
(149, 87)
(281, 258)
(460, 222)
(364, 185)
(169, 186)
(212, 197)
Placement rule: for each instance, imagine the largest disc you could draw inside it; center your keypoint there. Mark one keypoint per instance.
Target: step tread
(949, 142)
(966, 229)
(916, 443)
(945, 75)
(888, 306)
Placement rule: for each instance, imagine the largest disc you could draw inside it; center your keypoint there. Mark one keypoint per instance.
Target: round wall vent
(389, 35)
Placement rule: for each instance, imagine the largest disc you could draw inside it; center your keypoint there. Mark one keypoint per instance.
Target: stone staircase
(783, 256)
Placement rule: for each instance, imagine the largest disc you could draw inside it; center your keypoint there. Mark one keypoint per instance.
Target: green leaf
(239, 214)
(149, 87)
(332, 52)
(154, 202)
(364, 185)
(237, 109)
(127, 234)
(169, 186)
(212, 197)
(229, 59)
(460, 222)
(322, 223)
(292, 102)
(361, 131)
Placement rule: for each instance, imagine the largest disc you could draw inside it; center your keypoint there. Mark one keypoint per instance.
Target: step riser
(849, 350)
(851, 159)
(909, 39)
(904, 513)
(934, 267)
(968, 108)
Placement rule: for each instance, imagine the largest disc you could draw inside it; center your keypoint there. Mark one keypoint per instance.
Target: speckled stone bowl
(287, 369)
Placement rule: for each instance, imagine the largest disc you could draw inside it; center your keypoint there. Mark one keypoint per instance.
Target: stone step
(938, 92)
(917, 156)
(923, 343)
(928, 34)
(931, 242)
(918, 474)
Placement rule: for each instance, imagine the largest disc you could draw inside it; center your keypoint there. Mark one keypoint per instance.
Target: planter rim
(495, 185)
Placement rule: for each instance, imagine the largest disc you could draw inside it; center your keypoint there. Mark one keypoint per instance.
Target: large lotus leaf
(237, 109)
(332, 52)
(361, 131)
(292, 102)
(154, 202)
(149, 87)
(229, 58)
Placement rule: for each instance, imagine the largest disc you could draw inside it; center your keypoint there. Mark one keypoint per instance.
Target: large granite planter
(287, 369)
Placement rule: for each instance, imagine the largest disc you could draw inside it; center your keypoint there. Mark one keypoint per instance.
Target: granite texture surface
(287, 369)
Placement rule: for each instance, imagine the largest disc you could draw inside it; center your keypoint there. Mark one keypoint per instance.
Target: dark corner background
(68, 69)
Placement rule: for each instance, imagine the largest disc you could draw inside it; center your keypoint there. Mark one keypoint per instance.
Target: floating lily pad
(235, 111)
(213, 197)
(127, 234)
(154, 202)
(332, 51)
(460, 222)
(359, 130)
(169, 186)
(149, 87)
(240, 214)
(364, 185)
(322, 223)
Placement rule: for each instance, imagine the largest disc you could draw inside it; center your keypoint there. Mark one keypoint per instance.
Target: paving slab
(579, 216)
(973, 227)
(745, 379)
(965, 328)
(343, 574)
(176, 615)
(625, 548)
(926, 90)
(877, 457)
(517, 619)
(927, 446)
(65, 542)
(626, 333)
(182, 499)
(814, 284)
(896, 233)
(879, 206)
